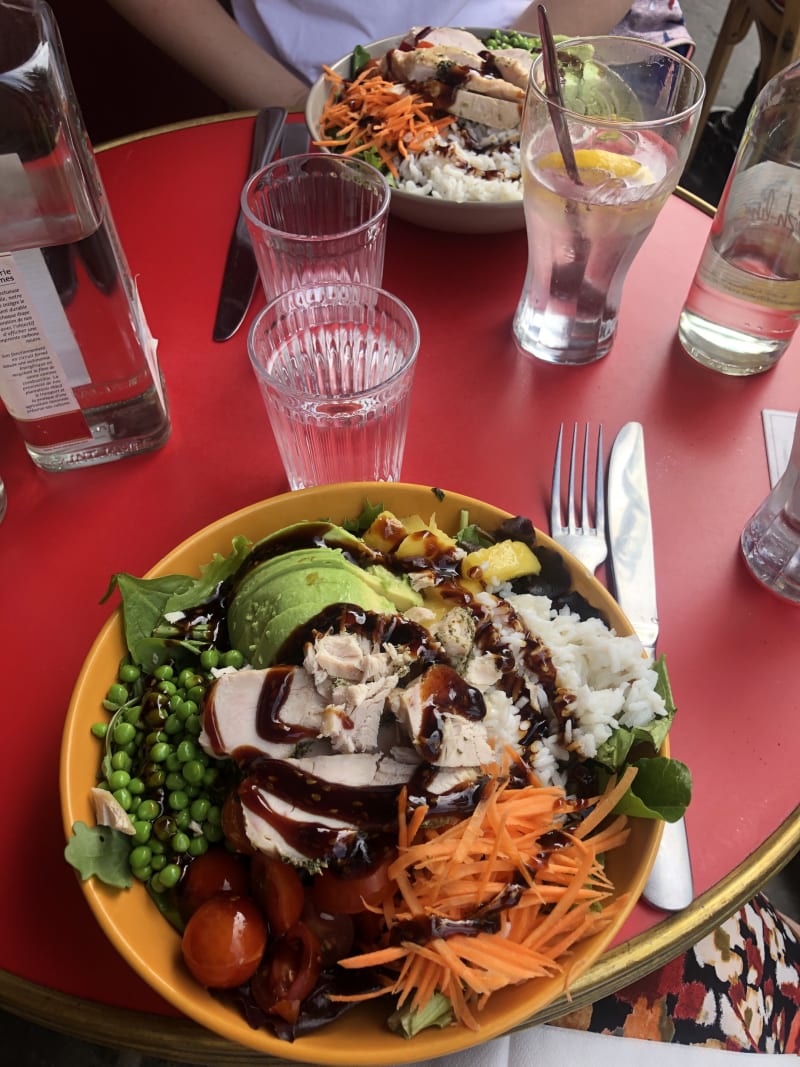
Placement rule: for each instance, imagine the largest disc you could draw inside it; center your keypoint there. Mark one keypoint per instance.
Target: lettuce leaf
(615, 751)
(101, 852)
(147, 601)
(662, 789)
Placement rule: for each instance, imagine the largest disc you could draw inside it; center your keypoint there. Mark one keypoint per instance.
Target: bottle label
(40, 361)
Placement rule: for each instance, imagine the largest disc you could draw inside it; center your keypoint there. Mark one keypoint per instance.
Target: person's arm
(203, 38)
(578, 18)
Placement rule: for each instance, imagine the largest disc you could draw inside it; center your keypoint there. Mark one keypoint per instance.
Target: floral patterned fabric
(737, 989)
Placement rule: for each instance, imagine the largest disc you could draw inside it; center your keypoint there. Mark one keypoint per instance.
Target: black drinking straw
(554, 97)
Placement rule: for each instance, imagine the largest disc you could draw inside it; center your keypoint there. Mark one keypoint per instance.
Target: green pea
(209, 658)
(100, 729)
(122, 796)
(193, 726)
(121, 761)
(159, 752)
(117, 694)
(167, 688)
(149, 810)
(178, 800)
(132, 714)
(140, 856)
(142, 873)
(170, 876)
(163, 672)
(124, 733)
(186, 751)
(164, 827)
(196, 693)
(187, 678)
(183, 818)
(173, 724)
(232, 658)
(159, 863)
(193, 772)
(129, 672)
(153, 776)
(118, 780)
(141, 829)
(136, 786)
(175, 701)
(187, 708)
(174, 781)
(156, 884)
(199, 809)
(214, 814)
(213, 832)
(198, 846)
(180, 843)
(157, 847)
(210, 776)
(172, 763)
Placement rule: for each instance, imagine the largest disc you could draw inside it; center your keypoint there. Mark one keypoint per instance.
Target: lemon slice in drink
(596, 165)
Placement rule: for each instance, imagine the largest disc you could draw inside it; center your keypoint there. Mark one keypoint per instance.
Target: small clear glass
(335, 365)
(771, 538)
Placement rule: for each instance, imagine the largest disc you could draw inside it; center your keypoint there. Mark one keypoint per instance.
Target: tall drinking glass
(631, 109)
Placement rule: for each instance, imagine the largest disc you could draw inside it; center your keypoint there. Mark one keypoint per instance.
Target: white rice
(611, 682)
(466, 163)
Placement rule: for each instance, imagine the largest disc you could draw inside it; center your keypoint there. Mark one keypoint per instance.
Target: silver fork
(587, 543)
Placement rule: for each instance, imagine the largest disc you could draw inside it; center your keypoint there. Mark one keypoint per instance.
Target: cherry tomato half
(224, 941)
(288, 974)
(278, 891)
(342, 894)
(336, 933)
(216, 871)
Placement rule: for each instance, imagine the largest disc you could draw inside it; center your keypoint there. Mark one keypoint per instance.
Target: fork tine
(571, 523)
(555, 490)
(599, 485)
(585, 479)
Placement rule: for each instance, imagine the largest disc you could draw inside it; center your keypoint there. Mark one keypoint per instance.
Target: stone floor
(28, 1045)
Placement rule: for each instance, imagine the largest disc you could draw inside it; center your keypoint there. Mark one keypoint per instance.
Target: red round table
(484, 421)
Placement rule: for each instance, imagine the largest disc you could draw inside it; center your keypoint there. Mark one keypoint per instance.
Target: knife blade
(295, 140)
(241, 271)
(670, 885)
(630, 534)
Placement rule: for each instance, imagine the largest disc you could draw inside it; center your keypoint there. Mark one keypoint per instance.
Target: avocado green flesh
(286, 591)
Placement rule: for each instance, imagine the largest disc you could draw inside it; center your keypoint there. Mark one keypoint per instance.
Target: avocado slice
(297, 586)
(394, 586)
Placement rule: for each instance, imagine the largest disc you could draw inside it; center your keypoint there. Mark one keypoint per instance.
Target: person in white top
(271, 51)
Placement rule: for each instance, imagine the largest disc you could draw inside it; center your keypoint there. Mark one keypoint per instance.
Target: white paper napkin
(553, 1046)
(778, 434)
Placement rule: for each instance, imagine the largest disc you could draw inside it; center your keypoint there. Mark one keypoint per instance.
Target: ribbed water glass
(335, 365)
(316, 218)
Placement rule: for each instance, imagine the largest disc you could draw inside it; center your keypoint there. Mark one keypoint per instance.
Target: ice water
(341, 441)
(742, 308)
(583, 238)
(335, 366)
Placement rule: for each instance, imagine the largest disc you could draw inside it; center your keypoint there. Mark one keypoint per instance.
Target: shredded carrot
(370, 112)
(522, 873)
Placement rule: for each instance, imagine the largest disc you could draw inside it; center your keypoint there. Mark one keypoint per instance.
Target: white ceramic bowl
(435, 214)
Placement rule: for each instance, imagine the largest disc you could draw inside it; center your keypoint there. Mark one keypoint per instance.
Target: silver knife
(241, 271)
(295, 140)
(630, 536)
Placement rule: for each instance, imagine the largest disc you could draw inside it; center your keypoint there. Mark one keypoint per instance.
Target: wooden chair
(778, 28)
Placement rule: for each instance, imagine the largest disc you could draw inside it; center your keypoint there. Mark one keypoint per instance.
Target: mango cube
(500, 562)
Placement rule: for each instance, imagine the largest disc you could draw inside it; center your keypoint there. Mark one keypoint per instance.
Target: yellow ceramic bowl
(142, 935)
(435, 214)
